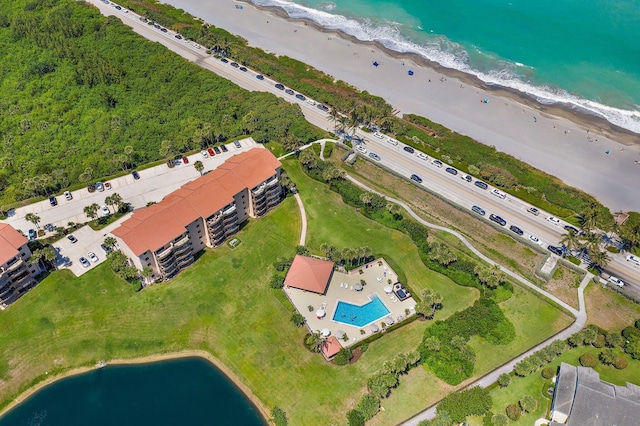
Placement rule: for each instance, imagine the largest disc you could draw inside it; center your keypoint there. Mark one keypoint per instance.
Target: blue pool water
(360, 315)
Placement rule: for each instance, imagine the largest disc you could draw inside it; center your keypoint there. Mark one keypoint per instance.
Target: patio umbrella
(320, 313)
(387, 289)
(374, 328)
(388, 320)
(325, 332)
(358, 287)
(340, 334)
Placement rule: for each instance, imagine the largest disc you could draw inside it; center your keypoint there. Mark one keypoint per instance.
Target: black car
(279, 86)
(570, 228)
(157, 26)
(135, 174)
(416, 178)
(480, 184)
(234, 64)
(72, 239)
(178, 36)
(409, 149)
(259, 76)
(164, 30)
(53, 201)
(478, 210)
(497, 219)
(224, 148)
(225, 60)
(243, 69)
(118, 7)
(451, 170)
(289, 92)
(323, 107)
(515, 229)
(301, 97)
(556, 250)
(216, 149)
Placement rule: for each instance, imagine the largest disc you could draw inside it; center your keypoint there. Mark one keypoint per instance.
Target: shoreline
(580, 118)
(148, 359)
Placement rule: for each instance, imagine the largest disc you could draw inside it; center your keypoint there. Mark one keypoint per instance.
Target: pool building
(346, 306)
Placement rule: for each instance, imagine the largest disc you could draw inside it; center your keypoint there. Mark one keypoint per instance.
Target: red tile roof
(308, 273)
(153, 227)
(10, 242)
(330, 347)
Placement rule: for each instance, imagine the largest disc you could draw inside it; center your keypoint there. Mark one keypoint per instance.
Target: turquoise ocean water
(187, 391)
(584, 54)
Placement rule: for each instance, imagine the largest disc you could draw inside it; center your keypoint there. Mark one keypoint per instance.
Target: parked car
(515, 229)
(633, 259)
(204, 154)
(374, 156)
(422, 156)
(235, 64)
(311, 102)
(498, 193)
(259, 76)
(289, 92)
(32, 234)
(178, 36)
(185, 160)
(573, 229)
(322, 107)
(92, 257)
(72, 239)
(216, 149)
(301, 97)
(68, 196)
(615, 280)
(53, 201)
(409, 149)
(533, 211)
(478, 210)
(164, 30)
(553, 220)
(84, 262)
(210, 152)
(436, 163)
(480, 184)
(106, 248)
(556, 250)
(224, 148)
(135, 175)
(451, 170)
(237, 144)
(243, 69)
(378, 135)
(99, 186)
(497, 219)
(279, 86)
(105, 210)
(224, 60)
(416, 178)
(107, 186)
(467, 178)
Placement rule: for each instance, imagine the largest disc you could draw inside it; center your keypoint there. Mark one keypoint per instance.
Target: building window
(146, 258)
(148, 263)
(199, 232)
(22, 254)
(198, 226)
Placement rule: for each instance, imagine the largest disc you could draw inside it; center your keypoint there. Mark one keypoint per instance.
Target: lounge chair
(351, 288)
(341, 285)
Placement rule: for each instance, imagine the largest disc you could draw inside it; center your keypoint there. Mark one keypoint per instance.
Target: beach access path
(552, 143)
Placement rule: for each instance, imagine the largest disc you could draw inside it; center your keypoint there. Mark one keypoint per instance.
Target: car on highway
(259, 76)
(185, 160)
(92, 257)
(451, 170)
(556, 250)
(553, 220)
(235, 64)
(178, 36)
(224, 148)
(84, 262)
(409, 149)
(516, 230)
(217, 150)
(573, 229)
(204, 154)
(322, 107)
(164, 30)
(99, 186)
(615, 280)
(157, 26)
(135, 175)
(416, 178)
(534, 239)
(360, 148)
(301, 97)
(72, 239)
(466, 177)
(374, 156)
(210, 152)
(533, 211)
(633, 259)
(68, 196)
(105, 210)
(392, 141)
(32, 234)
(279, 86)
(498, 193)
(478, 210)
(224, 60)
(378, 135)
(480, 184)
(243, 69)
(422, 156)
(289, 92)
(237, 144)
(436, 163)
(497, 219)
(118, 7)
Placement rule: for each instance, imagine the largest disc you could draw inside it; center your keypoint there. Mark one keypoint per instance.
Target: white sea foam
(454, 56)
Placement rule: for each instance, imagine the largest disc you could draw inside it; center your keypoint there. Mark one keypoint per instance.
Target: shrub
(279, 417)
(504, 380)
(499, 419)
(474, 401)
(620, 363)
(528, 403)
(513, 412)
(630, 333)
(297, 319)
(599, 342)
(548, 373)
(368, 406)
(276, 282)
(354, 418)
(637, 324)
(343, 357)
(588, 360)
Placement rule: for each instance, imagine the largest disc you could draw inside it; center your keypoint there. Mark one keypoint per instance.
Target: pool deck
(376, 277)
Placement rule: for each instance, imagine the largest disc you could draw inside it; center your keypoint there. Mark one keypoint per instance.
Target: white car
(392, 141)
(535, 239)
(204, 154)
(360, 148)
(498, 193)
(436, 163)
(105, 210)
(92, 257)
(68, 195)
(554, 220)
(633, 259)
(615, 280)
(422, 156)
(378, 135)
(311, 102)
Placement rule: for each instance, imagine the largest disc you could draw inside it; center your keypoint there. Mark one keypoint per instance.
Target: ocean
(187, 391)
(582, 54)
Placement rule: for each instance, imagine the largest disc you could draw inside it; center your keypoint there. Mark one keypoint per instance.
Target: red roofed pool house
(202, 213)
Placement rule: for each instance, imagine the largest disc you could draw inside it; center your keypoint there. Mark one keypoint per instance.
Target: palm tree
(571, 240)
(589, 216)
(33, 218)
(110, 242)
(199, 166)
(599, 259)
(116, 201)
(314, 341)
(91, 211)
(592, 242)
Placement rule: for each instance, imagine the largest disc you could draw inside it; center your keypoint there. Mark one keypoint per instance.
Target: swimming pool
(360, 315)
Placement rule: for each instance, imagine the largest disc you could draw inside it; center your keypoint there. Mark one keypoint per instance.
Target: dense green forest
(82, 96)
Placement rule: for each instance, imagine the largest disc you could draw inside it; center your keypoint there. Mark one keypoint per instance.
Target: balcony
(179, 250)
(181, 256)
(168, 269)
(230, 219)
(166, 261)
(231, 230)
(15, 265)
(214, 218)
(183, 240)
(163, 253)
(229, 210)
(259, 190)
(273, 182)
(185, 262)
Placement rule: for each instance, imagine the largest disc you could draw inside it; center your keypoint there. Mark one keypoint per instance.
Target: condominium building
(16, 274)
(204, 212)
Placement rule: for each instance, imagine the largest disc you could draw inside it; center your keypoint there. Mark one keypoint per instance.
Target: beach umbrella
(374, 328)
(340, 334)
(358, 287)
(388, 320)
(387, 289)
(320, 313)
(325, 332)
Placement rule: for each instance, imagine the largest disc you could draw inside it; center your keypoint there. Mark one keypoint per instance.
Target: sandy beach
(145, 360)
(584, 151)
